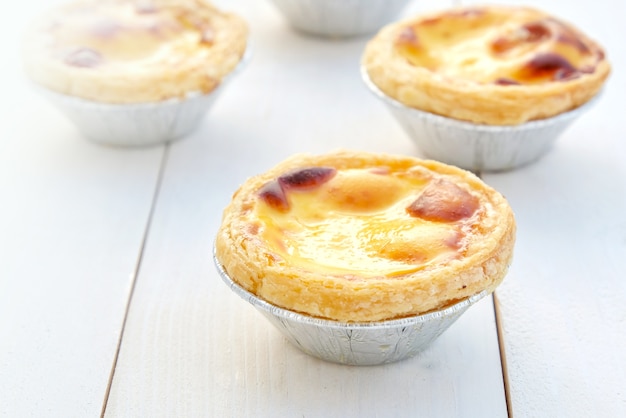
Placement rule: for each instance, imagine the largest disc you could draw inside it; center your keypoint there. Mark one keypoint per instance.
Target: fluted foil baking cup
(135, 124)
(139, 124)
(362, 344)
(474, 146)
(339, 18)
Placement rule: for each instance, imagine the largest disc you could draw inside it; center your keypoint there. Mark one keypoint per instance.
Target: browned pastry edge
(250, 263)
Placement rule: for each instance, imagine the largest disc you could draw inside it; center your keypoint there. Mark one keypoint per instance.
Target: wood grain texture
(191, 347)
(72, 218)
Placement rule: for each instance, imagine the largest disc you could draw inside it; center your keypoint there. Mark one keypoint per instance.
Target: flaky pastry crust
(134, 51)
(496, 65)
(362, 237)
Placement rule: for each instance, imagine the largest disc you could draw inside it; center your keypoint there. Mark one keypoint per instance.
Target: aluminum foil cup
(361, 344)
(139, 124)
(339, 18)
(474, 146)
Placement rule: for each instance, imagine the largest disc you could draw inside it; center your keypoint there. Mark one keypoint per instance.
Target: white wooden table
(110, 304)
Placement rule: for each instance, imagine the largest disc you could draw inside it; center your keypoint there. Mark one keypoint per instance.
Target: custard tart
(134, 51)
(494, 65)
(360, 237)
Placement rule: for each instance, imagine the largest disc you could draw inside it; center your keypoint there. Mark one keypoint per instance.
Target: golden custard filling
(362, 222)
(108, 34)
(360, 237)
(487, 46)
(125, 51)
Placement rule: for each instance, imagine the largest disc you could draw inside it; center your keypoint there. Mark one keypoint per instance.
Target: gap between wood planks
(505, 373)
(500, 332)
(135, 274)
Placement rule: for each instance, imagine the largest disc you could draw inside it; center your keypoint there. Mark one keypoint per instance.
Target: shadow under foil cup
(473, 146)
(339, 18)
(360, 344)
(139, 124)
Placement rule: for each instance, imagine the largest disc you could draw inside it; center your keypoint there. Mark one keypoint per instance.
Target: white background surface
(80, 222)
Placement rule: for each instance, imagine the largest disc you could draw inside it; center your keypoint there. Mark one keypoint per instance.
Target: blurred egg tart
(134, 51)
(361, 237)
(496, 65)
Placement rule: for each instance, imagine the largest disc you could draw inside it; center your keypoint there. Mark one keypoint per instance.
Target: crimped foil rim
(327, 323)
(530, 125)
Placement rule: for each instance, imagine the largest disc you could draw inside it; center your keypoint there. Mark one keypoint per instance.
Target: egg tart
(494, 65)
(360, 237)
(134, 51)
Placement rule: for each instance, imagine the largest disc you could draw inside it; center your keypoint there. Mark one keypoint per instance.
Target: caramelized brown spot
(407, 37)
(443, 201)
(274, 195)
(275, 192)
(549, 65)
(84, 58)
(207, 35)
(532, 32)
(408, 44)
(502, 81)
(501, 45)
(307, 178)
(536, 31)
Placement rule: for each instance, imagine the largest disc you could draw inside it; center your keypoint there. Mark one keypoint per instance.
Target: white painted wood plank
(72, 217)
(191, 347)
(564, 302)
